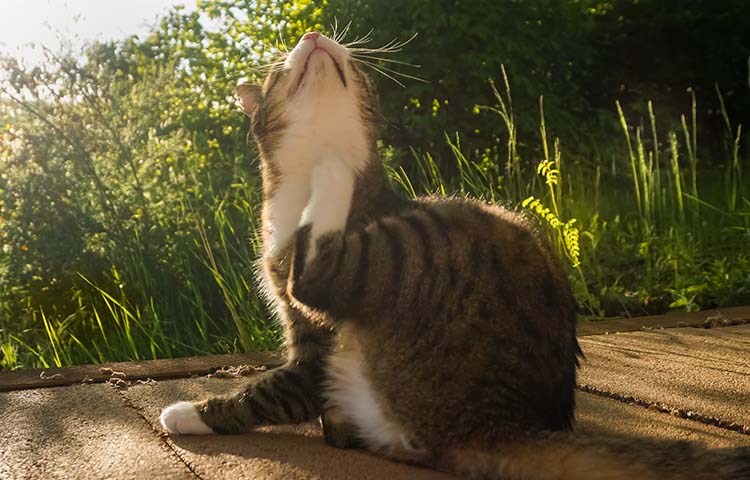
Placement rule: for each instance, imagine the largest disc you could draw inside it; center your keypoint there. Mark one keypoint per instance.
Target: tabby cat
(438, 331)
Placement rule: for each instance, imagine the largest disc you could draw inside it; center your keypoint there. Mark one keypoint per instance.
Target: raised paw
(332, 187)
(183, 418)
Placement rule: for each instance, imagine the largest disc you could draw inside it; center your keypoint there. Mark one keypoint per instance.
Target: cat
(437, 331)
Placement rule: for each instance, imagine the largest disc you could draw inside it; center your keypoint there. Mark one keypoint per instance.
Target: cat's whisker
(346, 30)
(393, 72)
(367, 38)
(405, 75)
(390, 44)
(269, 67)
(283, 43)
(343, 33)
(385, 74)
(272, 64)
(334, 29)
(385, 49)
(390, 47)
(387, 60)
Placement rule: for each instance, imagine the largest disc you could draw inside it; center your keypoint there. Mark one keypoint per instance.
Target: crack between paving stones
(162, 437)
(663, 408)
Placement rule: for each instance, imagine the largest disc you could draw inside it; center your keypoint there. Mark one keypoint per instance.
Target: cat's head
(317, 101)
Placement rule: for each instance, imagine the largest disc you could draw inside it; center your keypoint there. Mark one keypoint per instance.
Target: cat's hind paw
(182, 418)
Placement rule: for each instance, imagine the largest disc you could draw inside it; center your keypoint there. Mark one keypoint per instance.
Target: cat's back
(494, 250)
(475, 333)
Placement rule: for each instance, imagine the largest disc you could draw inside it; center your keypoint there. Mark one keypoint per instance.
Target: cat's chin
(182, 418)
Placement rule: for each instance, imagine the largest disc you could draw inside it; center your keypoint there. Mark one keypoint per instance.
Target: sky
(46, 22)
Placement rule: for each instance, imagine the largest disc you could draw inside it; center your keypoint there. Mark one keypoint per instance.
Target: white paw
(332, 187)
(182, 418)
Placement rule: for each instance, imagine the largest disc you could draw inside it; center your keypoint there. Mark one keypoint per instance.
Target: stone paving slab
(604, 418)
(156, 369)
(284, 452)
(299, 452)
(704, 319)
(96, 431)
(80, 432)
(693, 370)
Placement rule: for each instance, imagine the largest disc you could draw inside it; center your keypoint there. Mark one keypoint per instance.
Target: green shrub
(129, 191)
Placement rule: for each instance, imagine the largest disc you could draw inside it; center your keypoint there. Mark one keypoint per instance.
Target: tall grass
(678, 237)
(666, 235)
(137, 315)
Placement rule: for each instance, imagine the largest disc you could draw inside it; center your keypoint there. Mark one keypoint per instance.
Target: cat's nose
(310, 36)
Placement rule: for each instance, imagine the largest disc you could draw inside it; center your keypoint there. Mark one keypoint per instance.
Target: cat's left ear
(249, 96)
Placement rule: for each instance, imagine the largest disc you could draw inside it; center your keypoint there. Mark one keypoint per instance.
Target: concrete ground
(652, 378)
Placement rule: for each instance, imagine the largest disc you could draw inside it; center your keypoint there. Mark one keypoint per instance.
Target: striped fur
(439, 331)
(442, 283)
(564, 456)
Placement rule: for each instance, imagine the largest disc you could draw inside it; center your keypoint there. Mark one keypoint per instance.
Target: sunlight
(67, 23)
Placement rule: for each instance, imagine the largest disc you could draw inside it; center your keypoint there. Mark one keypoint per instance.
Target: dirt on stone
(719, 320)
(236, 371)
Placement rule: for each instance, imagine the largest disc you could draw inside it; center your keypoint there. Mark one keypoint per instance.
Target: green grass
(664, 235)
(136, 313)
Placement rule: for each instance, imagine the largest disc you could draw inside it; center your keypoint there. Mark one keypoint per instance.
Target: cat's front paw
(183, 418)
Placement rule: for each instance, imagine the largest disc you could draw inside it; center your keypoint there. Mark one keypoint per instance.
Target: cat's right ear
(249, 96)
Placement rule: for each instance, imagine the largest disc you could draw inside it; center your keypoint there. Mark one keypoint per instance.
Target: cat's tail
(569, 457)
(540, 460)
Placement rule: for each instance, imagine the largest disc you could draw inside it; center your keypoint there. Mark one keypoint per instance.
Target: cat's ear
(249, 96)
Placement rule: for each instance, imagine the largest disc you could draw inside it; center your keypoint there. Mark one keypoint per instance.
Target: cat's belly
(350, 390)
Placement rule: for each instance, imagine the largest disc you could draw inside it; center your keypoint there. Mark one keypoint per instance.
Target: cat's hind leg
(338, 431)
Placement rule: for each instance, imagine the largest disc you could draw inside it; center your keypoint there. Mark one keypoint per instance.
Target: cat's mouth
(339, 70)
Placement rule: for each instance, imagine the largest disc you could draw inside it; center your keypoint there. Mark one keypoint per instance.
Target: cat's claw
(182, 418)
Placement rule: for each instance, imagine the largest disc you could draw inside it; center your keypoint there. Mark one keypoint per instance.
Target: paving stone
(605, 418)
(95, 431)
(717, 318)
(706, 372)
(80, 432)
(299, 452)
(157, 369)
(283, 452)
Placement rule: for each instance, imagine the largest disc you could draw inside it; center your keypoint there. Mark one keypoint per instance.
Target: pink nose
(311, 36)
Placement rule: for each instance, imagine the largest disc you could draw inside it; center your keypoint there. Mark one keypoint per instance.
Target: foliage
(459, 46)
(578, 54)
(683, 251)
(659, 48)
(129, 192)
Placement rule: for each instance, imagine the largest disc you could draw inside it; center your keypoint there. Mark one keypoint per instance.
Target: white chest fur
(283, 210)
(310, 139)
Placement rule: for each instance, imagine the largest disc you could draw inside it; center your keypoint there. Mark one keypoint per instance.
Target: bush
(459, 46)
(580, 55)
(129, 194)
